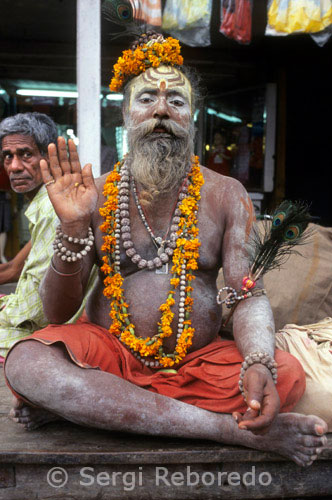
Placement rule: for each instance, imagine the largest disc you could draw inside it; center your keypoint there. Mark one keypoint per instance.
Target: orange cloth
(207, 378)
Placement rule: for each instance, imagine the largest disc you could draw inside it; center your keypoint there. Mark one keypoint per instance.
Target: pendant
(163, 269)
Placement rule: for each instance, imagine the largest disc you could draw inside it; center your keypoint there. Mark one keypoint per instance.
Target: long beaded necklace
(165, 247)
(185, 254)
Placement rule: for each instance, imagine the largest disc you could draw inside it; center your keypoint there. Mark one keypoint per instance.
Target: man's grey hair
(36, 125)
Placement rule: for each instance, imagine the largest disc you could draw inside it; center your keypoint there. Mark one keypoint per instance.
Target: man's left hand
(262, 399)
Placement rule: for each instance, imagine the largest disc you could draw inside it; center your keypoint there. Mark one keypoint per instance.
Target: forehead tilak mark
(162, 84)
(156, 77)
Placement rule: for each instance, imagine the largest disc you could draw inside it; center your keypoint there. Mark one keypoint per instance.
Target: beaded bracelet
(233, 297)
(67, 255)
(71, 239)
(258, 357)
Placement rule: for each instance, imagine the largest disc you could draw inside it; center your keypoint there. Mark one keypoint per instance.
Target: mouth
(19, 180)
(160, 130)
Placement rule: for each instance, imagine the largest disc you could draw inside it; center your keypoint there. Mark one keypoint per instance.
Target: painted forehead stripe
(155, 75)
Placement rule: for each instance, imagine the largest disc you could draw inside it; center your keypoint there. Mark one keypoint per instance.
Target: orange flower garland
(185, 254)
(152, 53)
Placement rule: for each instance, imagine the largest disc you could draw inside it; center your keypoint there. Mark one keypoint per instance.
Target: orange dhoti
(207, 378)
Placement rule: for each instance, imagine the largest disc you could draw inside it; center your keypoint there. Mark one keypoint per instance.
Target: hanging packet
(189, 21)
(298, 16)
(236, 19)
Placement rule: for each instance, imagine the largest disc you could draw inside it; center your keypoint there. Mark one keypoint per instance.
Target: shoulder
(220, 181)
(229, 198)
(225, 189)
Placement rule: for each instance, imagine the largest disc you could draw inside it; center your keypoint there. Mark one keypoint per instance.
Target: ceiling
(38, 42)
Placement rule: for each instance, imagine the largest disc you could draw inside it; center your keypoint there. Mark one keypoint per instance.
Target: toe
(310, 424)
(302, 459)
(321, 429)
(25, 411)
(24, 420)
(313, 441)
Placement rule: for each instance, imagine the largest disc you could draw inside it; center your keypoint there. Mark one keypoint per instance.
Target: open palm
(71, 189)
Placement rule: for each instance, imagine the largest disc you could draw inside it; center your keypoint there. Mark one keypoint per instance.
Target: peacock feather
(125, 13)
(285, 230)
(269, 249)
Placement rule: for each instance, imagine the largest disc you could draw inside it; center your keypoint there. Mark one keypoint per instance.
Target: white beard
(159, 161)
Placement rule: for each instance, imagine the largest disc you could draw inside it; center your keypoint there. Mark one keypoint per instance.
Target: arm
(11, 271)
(74, 196)
(253, 325)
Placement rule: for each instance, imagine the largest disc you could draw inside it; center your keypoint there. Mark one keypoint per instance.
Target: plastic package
(236, 19)
(189, 21)
(298, 16)
(322, 36)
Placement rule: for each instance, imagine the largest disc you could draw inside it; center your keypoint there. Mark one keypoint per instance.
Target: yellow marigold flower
(166, 362)
(175, 282)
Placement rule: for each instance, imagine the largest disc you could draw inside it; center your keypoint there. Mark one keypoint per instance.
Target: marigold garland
(186, 253)
(150, 54)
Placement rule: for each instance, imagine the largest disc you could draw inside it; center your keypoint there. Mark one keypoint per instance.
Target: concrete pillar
(88, 82)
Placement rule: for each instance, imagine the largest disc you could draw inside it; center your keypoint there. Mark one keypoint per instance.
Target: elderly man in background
(24, 139)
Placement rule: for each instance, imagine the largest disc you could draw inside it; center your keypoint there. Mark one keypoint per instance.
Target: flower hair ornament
(150, 49)
(152, 53)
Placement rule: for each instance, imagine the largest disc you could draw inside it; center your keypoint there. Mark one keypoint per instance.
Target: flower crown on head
(149, 51)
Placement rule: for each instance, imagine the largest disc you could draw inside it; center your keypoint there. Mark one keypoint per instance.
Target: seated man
(24, 139)
(147, 357)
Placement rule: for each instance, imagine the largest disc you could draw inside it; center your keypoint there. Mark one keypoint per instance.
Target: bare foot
(298, 437)
(30, 417)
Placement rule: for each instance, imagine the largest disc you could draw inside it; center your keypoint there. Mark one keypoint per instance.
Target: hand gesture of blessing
(71, 189)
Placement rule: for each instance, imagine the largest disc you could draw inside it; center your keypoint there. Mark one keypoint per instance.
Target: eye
(177, 102)
(145, 100)
(27, 155)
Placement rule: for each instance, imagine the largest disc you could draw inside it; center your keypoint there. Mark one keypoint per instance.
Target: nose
(16, 164)
(161, 110)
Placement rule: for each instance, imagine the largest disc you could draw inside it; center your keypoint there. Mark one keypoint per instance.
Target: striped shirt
(21, 313)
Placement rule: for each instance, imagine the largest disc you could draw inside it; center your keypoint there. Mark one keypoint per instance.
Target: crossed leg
(50, 380)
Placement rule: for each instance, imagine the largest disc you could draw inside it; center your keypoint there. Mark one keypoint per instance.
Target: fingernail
(255, 403)
(243, 427)
(319, 429)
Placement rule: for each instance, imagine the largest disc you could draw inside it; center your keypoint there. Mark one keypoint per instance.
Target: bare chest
(150, 232)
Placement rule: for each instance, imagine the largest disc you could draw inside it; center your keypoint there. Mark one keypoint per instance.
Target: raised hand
(71, 189)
